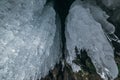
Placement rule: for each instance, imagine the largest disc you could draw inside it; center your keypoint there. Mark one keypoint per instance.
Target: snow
(84, 32)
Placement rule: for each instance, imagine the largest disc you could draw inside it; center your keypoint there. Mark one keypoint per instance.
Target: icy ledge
(29, 40)
(84, 32)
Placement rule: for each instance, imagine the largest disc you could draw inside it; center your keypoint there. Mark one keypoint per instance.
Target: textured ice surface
(83, 32)
(98, 14)
(112, 4)
(101, 17)
(29, 39)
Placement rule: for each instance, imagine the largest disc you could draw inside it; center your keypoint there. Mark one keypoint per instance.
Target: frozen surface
(29, 39)
(112, 4)
(101, 17)
(84, 32)
(98, 14)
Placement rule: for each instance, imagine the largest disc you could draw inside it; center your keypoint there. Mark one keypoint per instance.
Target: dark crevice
(115, 20)
(103, 7)
(62, 8)
(82, 59)
(65, 72)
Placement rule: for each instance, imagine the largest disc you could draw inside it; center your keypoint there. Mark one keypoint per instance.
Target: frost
(29, 39)
(84, 32)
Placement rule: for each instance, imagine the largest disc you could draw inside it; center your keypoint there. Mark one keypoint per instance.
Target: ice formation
(29, 39)
(98, 14)
(83, 31)
(101, 17)
(112, 4)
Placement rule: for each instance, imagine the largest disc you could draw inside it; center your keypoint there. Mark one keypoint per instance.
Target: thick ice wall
(29, 42)
(83, 32)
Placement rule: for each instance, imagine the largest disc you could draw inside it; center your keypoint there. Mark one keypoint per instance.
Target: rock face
(29, 39)
(83, 31)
